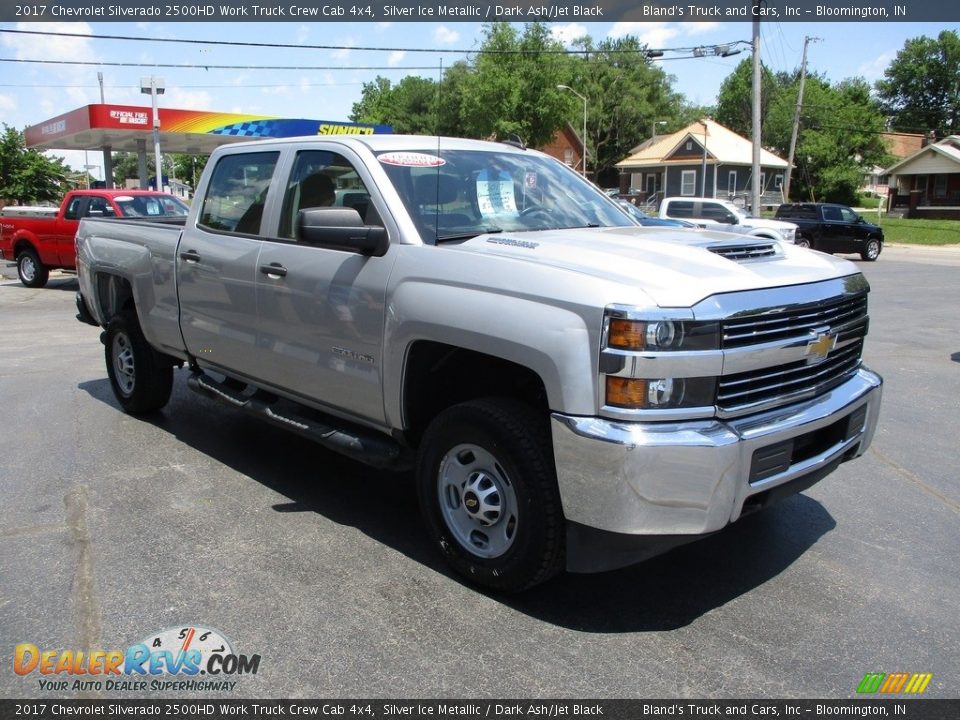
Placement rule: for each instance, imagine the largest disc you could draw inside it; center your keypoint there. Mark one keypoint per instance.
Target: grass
(918, 231)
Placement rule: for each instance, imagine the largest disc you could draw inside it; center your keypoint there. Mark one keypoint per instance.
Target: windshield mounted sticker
(495, 194)
(411, 159)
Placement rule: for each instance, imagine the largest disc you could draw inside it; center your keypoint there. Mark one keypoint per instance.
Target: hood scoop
(747, 252)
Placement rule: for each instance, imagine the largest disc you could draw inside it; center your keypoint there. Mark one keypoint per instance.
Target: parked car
(649, 220)
(833, 228)
(714, 211)
(41, 240)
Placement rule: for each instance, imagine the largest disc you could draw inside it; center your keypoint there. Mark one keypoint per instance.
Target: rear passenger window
(73, 209)
(237, 192)
(681, 209)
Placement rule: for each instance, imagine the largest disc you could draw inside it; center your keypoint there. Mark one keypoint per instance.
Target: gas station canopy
(196, 132)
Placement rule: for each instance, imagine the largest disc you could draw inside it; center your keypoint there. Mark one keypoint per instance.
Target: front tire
(140, 381)
(871, 250)
(32, 272)
(802, 241)
(488, 493)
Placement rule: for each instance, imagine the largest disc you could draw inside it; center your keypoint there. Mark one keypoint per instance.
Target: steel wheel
(124, 369)
(488, 493)
(477, 501)
(140, 378)
(31, 271)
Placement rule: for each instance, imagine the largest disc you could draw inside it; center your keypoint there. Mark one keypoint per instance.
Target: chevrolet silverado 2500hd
(40, 242)
(572, 390)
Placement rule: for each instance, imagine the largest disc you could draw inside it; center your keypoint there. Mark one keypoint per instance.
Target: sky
(32, 93)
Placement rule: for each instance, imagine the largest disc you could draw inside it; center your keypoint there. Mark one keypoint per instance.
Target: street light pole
(583, 139)
(154, 86)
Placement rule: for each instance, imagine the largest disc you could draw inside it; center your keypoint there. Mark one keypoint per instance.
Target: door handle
(273, 270)
(190, 256)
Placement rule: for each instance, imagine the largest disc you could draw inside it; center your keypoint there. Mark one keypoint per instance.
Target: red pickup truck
(41, 244)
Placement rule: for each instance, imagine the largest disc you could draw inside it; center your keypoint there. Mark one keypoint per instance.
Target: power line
(293, 46)
(206, 66)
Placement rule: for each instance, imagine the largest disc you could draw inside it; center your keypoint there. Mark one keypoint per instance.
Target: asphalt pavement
(115, 528)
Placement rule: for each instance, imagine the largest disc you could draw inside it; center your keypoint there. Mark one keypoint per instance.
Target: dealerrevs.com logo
(894, 683)
(180, 658)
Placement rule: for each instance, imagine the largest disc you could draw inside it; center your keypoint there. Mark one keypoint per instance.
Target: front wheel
(488, 492)
(31, 271)
(140, 381)
(802, 241)
(871, 250)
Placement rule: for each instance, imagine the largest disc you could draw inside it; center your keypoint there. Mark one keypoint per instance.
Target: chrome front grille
(789, 382)
(844, 318)
(792, 322)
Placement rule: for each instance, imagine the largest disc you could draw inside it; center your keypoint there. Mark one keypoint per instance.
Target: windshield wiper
(468, 235)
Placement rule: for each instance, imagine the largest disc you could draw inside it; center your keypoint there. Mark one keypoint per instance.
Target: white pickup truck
(723, 214)
(573, 390)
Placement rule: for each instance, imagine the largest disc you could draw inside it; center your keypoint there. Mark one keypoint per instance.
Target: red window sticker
(411, 159)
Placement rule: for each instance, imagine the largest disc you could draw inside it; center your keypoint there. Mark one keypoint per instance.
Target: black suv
(833, 228)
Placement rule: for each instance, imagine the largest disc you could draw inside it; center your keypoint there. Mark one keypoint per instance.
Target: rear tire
(32, 272)
(871, 250)
(140, 381)
(488, 493)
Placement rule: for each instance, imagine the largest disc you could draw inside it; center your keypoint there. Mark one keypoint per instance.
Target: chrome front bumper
(692, 478)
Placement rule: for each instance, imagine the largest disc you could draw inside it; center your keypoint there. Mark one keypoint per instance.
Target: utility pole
(796, 117)
(755, 182)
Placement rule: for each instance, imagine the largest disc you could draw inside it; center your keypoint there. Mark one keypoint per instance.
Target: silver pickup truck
(573, 391)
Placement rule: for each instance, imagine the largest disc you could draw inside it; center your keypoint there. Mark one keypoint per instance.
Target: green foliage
(125, 165)
(28, 176)
(839, 139)
(511, 87)
(626, 94)
(921, 89)
(734, 101)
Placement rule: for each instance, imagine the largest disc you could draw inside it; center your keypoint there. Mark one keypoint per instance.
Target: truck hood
(674, 267)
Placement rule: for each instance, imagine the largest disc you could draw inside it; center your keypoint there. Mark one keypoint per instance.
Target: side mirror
(339, 228)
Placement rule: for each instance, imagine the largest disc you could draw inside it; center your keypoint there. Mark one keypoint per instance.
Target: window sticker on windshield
(411, 159)
(495, 194)
(530, 180)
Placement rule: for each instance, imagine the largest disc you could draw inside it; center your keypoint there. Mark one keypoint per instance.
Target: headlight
(662, 335)
(659, 393)
(650, 363)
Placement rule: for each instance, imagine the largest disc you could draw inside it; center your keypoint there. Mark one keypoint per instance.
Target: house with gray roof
(703, 159)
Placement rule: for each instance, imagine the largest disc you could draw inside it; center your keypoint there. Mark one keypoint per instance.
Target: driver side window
(321, 178)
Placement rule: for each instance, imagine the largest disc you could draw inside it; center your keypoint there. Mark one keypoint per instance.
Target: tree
(513, 86)
(626, 94)
(921, 89)
(840, 137)
(840, 129)
(735, 99)
(27, 175)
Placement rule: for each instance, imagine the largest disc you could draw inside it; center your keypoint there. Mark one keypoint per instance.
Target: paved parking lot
(114, 528)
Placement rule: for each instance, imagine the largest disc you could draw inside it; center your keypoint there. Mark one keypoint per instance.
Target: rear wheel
(871, 249)
(488, 492)
(140, 381)
(31, 271)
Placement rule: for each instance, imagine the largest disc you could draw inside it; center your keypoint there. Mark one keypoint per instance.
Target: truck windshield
(151, 206)
(462, 193)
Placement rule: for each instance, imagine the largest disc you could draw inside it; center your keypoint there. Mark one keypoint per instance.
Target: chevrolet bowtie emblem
(817, 350)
